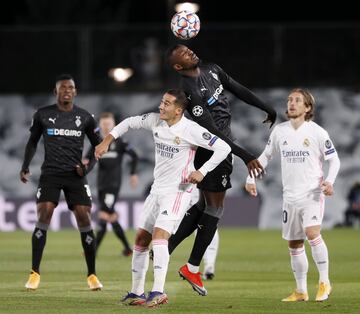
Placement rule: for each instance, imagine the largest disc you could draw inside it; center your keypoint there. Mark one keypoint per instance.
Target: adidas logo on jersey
(164, 212)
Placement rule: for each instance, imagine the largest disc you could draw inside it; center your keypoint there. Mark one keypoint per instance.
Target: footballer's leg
(47, 198)
(293, 232)
(300, 266)
(188, 224)
(320, 256)
(139, 267)
(312, 222)
(210, 257)
(38, 241)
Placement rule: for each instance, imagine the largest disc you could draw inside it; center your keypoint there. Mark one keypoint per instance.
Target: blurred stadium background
(266, 50)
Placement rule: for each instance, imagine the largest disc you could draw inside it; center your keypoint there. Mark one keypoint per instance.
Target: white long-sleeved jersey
(302, 153)
(175, 149)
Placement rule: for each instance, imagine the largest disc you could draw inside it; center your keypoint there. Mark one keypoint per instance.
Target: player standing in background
(204, 85)
(303, 146)
(63, 127)
(109, 181)
(176, 138)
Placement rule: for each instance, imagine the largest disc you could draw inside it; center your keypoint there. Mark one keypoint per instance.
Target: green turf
(252, 275)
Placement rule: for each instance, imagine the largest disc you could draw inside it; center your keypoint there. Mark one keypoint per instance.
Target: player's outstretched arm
(247, 96)
(103, 147)
(206, 121)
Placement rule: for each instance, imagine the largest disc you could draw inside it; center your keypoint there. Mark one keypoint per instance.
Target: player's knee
(312, 232)
(45, 215)
(214, 211)
(296, 244)
(143, 238)
(102, 225)
(113, 218)
(311, 235)
(82, 214)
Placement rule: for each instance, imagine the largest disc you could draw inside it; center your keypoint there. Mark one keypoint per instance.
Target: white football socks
(139, 267)
(161, 262)
(300, 266)
(321, 258)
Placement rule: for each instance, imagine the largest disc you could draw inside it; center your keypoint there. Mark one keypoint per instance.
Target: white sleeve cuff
(250, 180)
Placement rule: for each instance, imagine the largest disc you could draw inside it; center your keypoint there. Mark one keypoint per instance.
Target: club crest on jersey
(177, 140)
(206, 136)
(328, 144)
(197, 111)
(214, 75)
(78, 121)
(224, 180)
(306, 142)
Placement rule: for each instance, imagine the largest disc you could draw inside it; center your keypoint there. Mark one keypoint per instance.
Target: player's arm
(200, 136)
(30, 149)
(205, 120)
(330, 154)
(89, 160)
(264, 158)
(133, 166)
(246, 95)
(146, 121)
(92, 132)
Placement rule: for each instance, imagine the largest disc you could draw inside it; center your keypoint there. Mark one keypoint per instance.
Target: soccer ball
(185, 25)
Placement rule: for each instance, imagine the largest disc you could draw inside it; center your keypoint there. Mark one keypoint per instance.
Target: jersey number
(285, 216)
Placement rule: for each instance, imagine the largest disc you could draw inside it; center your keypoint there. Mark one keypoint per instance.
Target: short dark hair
(64, 77)
(169, 52)
(180, 98)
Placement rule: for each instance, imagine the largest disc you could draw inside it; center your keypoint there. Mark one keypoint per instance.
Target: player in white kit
(176, 139)
(303, 146)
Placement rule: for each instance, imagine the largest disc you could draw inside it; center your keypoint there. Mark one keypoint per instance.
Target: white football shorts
(297, 216)
(164, 211)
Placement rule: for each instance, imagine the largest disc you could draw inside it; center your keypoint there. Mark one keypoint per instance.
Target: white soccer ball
(185, 25)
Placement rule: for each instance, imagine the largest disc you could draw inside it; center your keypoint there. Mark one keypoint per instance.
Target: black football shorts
(107, 200)
(217, 180)
(75, 188)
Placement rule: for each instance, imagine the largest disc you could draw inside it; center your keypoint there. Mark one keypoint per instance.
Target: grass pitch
(252, 275)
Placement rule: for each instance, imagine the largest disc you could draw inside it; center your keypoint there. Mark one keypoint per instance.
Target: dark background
(262, 44)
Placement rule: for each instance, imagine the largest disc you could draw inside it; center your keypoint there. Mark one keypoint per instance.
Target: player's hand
(195, 177)
(251, 189)
(134, 181)
(81, 170)
(24, 175)
(271, 118)
(100, 150)
(327, 188)
(85, 161)
(255, 168)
